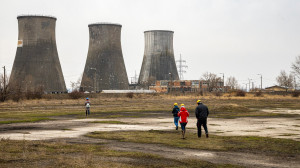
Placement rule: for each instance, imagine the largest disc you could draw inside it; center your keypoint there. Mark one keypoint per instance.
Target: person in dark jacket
(175, 112)
(201, 112)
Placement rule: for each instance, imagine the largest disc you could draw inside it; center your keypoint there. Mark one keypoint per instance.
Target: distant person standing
(183, 114)
(87, 106)
(175, 114)
(201, 112)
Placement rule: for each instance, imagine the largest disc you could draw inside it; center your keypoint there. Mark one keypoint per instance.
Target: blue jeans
(176, 121)
(87, 111)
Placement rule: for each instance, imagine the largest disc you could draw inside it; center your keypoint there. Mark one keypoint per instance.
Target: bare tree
(3, 87)
(296, 71)
(76, 85)
(285, 80)
(296, 67)
(212, 80)
(232, 82)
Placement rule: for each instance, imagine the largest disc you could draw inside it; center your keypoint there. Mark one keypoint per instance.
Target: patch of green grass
(114, 116)
(218, 132)
(251, 144)
(24, 121)
(144, 106)
(288, 134)
(231, 108)
(296, 125)
(270, 128)
(233, 115)
(61, 154)
(109, 122)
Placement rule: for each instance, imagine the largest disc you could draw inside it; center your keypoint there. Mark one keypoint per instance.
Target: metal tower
(181, 66)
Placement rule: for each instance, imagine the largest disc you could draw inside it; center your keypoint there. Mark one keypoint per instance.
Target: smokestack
(36, 64)
(104, 67)
(158, 62)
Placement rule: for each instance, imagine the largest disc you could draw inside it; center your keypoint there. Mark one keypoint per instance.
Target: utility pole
(249, 83)
(171, 82)
(134, 81)
(181, 67)
(246, 86)
(260, 81)
(223, 82)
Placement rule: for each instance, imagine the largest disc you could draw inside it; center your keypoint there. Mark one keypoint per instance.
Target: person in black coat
(201, 112)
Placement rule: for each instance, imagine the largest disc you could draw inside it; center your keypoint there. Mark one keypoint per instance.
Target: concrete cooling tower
(158, 62)
(105, 67)
(36, 65)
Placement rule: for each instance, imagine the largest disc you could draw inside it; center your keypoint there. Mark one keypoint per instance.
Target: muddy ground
(73, 130)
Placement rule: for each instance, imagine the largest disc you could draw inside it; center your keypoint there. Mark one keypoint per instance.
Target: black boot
(176, 127)
(206, 135)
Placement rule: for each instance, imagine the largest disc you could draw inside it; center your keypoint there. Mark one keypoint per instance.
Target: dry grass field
(138, 132)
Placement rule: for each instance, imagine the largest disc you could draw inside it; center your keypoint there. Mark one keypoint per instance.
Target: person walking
(87, 106)
(201, 112)
(183, 114)
(175, 114)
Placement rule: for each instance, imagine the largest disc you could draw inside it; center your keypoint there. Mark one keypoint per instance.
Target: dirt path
(236, 158)
(288, 128)
(72, 130)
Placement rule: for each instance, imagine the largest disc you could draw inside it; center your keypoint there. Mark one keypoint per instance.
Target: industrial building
(105, 67)
(167, 86)
(36, 63)
(158, 61)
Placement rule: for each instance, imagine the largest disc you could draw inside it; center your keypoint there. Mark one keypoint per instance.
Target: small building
(277, 89)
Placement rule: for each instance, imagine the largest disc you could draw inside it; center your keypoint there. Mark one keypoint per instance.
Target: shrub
(16, 96)
(201, 93)
(38, 93)
(29, 95)
(76, 94)
(219, 94)
(258, 94)
(295, 94)
(240, 93)
(129, 95)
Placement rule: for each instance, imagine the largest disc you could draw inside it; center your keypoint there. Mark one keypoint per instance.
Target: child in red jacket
(183, 114)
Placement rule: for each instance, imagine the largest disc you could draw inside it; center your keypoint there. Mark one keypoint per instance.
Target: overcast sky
(240, 38)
